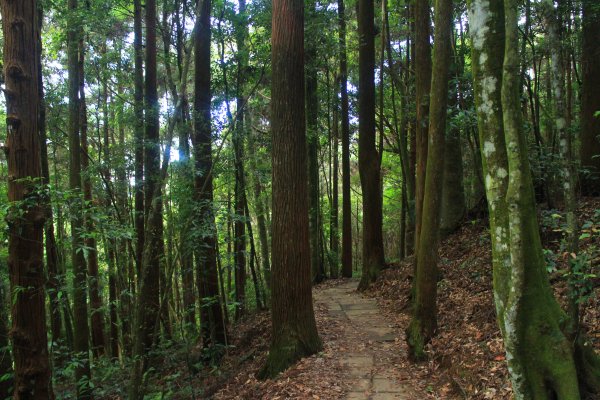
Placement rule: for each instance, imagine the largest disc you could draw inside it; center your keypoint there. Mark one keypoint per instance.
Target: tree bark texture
(368, 157)
(540, 355)
(424, 321)
(294, 330)
(422, 68)
(153, 234)
(26, 217)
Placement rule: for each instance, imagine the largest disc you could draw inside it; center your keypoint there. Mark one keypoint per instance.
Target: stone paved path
(369, 336)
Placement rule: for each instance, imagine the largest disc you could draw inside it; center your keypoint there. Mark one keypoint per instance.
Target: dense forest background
(187, 164)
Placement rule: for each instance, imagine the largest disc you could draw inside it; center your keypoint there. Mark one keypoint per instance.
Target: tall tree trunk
(590, 97)
(368, 157)
(240, 182)
(213, 323)
(152, 233)
(294, 330)
(345, 125)
(80, 310)
(539, 354)
(424, 321)
(312, 136)
(26, 217)
(138, 140)
(422, 87)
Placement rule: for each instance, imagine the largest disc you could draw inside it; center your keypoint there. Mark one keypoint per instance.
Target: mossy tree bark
(424, 321)
(294, 330)
(540, 356)
(368, 157)
(26, 217)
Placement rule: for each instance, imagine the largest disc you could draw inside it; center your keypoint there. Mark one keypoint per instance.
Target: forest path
(370, 348)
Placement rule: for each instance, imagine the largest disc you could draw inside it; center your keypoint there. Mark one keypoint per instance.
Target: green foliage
(580, 270)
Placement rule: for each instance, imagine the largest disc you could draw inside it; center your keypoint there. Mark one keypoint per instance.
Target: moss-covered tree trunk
(368, 157)
(424, 321)
(294, 330)
(540, 357)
